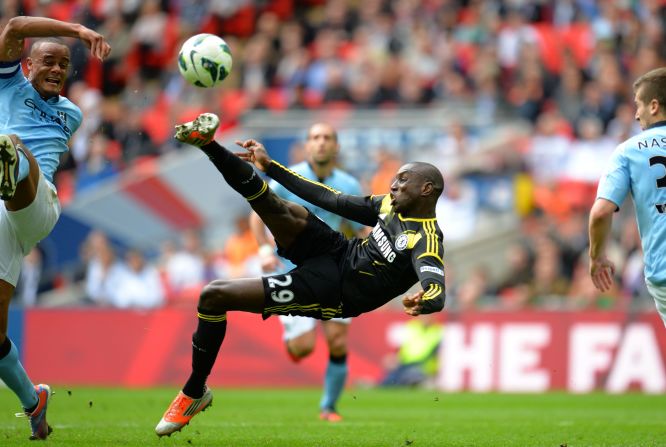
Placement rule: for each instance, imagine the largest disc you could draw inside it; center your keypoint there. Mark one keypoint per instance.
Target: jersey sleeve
(359, 209)
(616, 181)
(427, 257)
(354, 189)
(10, 73)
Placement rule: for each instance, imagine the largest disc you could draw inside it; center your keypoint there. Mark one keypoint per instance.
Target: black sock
(206, 342)
(5, 347)
(340, 360)
(239, 174)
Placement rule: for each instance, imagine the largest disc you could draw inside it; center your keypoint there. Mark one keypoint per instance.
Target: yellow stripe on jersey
(385, 207)
(335, 191)
(434, 290)
(326, 312)
(432, 241)
(264, 187)
(413, 238)
(292, 306)
(212, 318)
(417, 219)
(434, 255)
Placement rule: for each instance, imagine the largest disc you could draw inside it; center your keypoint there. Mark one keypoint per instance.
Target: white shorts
(21, 230)
(659, 295)
(295, 326)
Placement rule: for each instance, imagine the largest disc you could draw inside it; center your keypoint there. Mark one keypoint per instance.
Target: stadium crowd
(563, 68)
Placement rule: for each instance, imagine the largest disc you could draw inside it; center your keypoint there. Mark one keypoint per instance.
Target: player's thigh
(310, 290)
(11, 250)
(34, 222)
(284, 219)
(336, 332)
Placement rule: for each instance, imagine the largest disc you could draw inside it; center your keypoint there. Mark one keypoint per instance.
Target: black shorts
(314, 287)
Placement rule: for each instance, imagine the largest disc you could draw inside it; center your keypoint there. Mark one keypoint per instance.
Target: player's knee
(337, 344)
(300, 349)
(213, 297)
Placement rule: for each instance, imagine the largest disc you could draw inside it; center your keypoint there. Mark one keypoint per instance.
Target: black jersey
(399, 251)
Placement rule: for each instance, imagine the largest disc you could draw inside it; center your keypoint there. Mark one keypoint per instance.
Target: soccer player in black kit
(334, 277)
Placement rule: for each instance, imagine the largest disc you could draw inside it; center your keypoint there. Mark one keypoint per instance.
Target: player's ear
(427, 189)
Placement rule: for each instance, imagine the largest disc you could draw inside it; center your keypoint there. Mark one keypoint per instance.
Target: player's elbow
(602, 209)
(15, 27)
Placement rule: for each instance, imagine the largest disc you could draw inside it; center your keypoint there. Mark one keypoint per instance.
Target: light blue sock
(24, 166)
(334, 383)
(13, 374)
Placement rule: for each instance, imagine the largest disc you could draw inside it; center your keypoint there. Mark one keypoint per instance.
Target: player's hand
(256, 154)
(412, 303)
(99, 47)
(270, 263)
(602, 271)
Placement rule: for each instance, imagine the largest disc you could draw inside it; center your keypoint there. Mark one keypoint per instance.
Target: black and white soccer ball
(205, 60)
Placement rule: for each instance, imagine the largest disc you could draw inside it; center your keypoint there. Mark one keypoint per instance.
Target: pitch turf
(245, 418)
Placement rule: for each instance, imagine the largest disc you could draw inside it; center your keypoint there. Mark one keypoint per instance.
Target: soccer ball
(204, 60)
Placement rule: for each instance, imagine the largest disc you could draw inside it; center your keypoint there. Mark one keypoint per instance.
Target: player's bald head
(38, 45)
(430, 174)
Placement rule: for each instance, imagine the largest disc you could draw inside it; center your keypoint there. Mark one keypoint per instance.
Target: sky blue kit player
(36, 124)
(637, 167)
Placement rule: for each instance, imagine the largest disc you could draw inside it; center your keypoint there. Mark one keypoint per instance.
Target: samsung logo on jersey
(653, 142)
(383, 243)
(435, 270)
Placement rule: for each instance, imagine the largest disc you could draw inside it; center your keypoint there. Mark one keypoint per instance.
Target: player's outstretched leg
(181, 411)
(9, 168)
(37, 417)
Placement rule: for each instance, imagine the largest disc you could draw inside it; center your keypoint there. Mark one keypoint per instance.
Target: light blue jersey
(638, 166)
(338, 180)
(44, 126)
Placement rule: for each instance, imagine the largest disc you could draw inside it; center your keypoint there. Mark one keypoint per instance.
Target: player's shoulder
(301, 168)
(647, 139)
(345, 177)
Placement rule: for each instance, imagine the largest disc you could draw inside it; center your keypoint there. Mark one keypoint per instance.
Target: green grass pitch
(401, 417)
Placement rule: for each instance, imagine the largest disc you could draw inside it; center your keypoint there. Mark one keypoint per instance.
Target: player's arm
(359, 209)
(269, 259)
(429, 267)
(601, 220)
(611, 192)
(13, 36)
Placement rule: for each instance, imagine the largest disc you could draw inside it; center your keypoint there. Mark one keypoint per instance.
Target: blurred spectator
(184, 267)
(102, 268)
(96, 166)
(415, 362)
(457, 209)
(239, 257)
(137, 284)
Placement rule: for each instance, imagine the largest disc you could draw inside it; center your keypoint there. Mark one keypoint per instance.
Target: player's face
(645, 113)
(406, 189)
(322, 145)
(48, 64)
